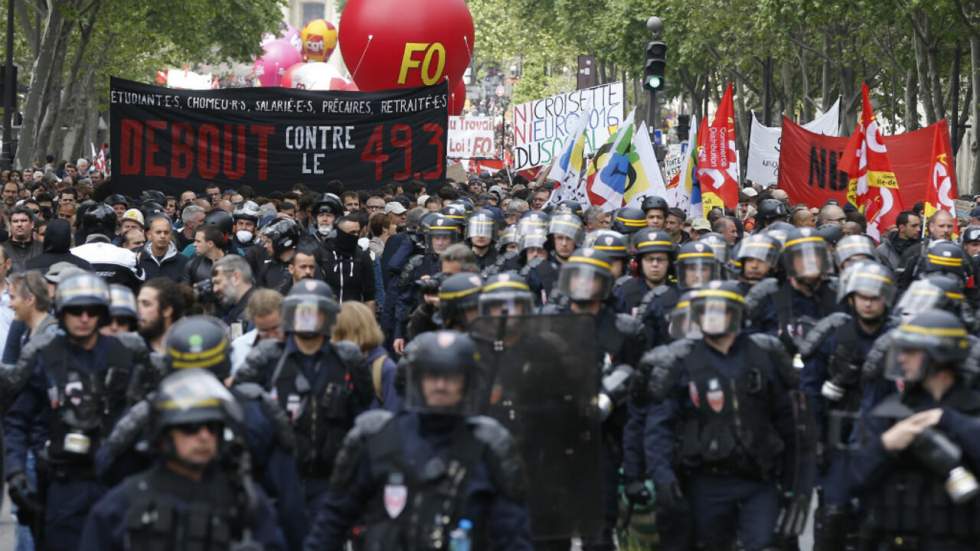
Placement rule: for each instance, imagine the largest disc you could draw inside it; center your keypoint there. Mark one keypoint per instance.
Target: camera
(942, 456)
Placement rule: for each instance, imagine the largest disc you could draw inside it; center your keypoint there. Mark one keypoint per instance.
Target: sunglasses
(190, 429)
(78, 311)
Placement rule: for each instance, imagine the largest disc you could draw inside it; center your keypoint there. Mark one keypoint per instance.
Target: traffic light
(653, 71)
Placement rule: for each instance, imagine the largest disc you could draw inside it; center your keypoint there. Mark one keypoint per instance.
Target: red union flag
(717, 164)
(870, 173)
(941, 189)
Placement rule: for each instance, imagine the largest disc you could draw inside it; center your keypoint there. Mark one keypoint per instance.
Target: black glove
(639, 389)
(670, 497)
(637, 493)
(26, 499)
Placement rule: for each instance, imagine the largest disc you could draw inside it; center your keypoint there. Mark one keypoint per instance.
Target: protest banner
(543, 128)
(472, 138)
(810, 173)
(274, 138)
(763, 163)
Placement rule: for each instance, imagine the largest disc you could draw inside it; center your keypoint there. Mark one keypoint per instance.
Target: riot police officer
(719, 430)
(755, 258)
(655, 208)
(920, 448)
(76, 390)
(853, 248)
(480, 233)
(833, 355)
(459, 300)
(199, 494)
(628, 220)
(433, 474)
(506, 294)
(612, 244)
(790, 308)
(321, 386)
(565, 233)
(654, 252)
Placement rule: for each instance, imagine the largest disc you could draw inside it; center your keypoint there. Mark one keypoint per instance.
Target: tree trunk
(786, 75)
(954, 100)
(767, 91)
(45, 141)
(41, 75)
(975, 68)
(911, 118)
(964, 116)
(925, 81)
(850, 99)
(742, 121)
(825, 78)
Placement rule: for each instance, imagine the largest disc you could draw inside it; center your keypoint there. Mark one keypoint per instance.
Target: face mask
(346, 242)
(243, 236)
(324, 229)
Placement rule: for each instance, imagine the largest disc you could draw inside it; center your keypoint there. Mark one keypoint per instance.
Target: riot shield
(542, 384)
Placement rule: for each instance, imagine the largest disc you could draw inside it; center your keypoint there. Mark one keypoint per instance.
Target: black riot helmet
(567, 225)
(770, 210)
(854, 248)
(309, 309)
(445, 355)
(283, 234)
(868, 279)
(569, 206)
(455, 212)
(971, 234)
(805, 254)
(506, 294)
(221, 220)
(586, 276)
(610, 243)
(718, 245)
(760, 246)
(653, 202)
(533, 222)
(718, 308)
(946, 257)
(99, 219)
(831, 233)
(459, 299)
(481, 224)
(935, 291)
(652, 241)
(696, 265)
(152, 196)
(442, 227)
(628, 220)
(939, 334)
(680, 325)
(83, 291)
(199, 342)
(779, 231)
(507, 237)
(122, 304)
(193, 398)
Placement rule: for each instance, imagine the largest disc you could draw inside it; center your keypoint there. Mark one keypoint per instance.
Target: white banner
(763, 165)
(543, 128)
(472, 138)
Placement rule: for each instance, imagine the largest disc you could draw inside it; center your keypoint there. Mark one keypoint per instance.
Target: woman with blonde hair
(356, 323)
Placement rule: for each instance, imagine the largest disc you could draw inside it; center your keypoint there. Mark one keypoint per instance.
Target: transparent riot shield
(542, 384)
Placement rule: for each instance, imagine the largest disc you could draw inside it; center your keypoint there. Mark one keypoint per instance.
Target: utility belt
(738, 465)
(61, 469)
(918, 505)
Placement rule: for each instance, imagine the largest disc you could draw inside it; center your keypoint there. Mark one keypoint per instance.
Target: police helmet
(122, 303)
(971, 234)
(869, 279)
(586, 276)
(779, 231)
(696, 265)
(760, 246)
(308, 310)
(570, 206)
(455, 211)
(854, 248)
(328, 203)
(248, 211)
(770, 210)
(939, 334)
(507, 237)
(199, 342)
(608, 242)
(831, 233)
(459, 299)
(152, 196)
(443, 227)
(443, 354)
(628, 220)
(283, 234)
(652, 202)
(481, 224)
(82, 291)
(194, 398)
(805, 254)
(567, 225)
(944, 256)
(533, 222)
(718, 308)
(680, 324)
(506, 294)
(652, 241)
(221, 220)
(935, 291)
(718, 245)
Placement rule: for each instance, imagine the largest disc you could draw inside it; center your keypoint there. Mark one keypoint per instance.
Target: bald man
(831, 214)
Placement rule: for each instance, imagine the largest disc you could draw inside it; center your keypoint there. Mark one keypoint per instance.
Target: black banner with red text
(274, 138)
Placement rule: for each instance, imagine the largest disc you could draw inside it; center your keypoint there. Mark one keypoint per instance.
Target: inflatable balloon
(319, 38)
(279, 55)
(316, 76)
(457, 98)
(405, 43)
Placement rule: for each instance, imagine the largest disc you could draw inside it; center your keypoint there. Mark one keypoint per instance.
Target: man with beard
(22, 246)
(160, 303)
(231, 279)
(893, 248)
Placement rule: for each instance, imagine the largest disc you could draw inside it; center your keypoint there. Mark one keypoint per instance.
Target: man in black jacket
(57, 241)
(160, 257)
(346, 267)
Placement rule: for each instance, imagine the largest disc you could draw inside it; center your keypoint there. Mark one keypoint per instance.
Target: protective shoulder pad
(128, 430)
(271, 408)
(971, 366)
(775, 350)
(250, 391)
(407, 278)
(506, 466)
(366, 425)
(823, 329)
(133, 343)
(628, 325)
(259, 362)
(349, 353)
(874, 362)
(13, 378)
(662, 365)
(760, 292)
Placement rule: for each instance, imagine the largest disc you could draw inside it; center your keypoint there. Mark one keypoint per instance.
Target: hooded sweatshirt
(57, 241)
(171, 265)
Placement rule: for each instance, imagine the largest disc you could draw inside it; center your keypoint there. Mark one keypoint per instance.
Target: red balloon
(405, 43)
(457, 98)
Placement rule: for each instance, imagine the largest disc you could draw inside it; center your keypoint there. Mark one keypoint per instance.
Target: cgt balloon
(405, 43)
(319, 39)
(316, 76)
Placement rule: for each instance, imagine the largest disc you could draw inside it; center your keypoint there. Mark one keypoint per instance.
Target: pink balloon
(316, 76)
(279, 55)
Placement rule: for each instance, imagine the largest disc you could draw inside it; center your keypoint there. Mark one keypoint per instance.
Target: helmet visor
(695, 273)
(807, 260)
(308, 314)
(584, 283)
(716, 316)
(680, 325)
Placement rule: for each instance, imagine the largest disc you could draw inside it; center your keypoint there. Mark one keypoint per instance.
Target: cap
(59, 271)
(422, 199)
(135, 215)
(700, 224)
(749, 192)
(395, 208)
